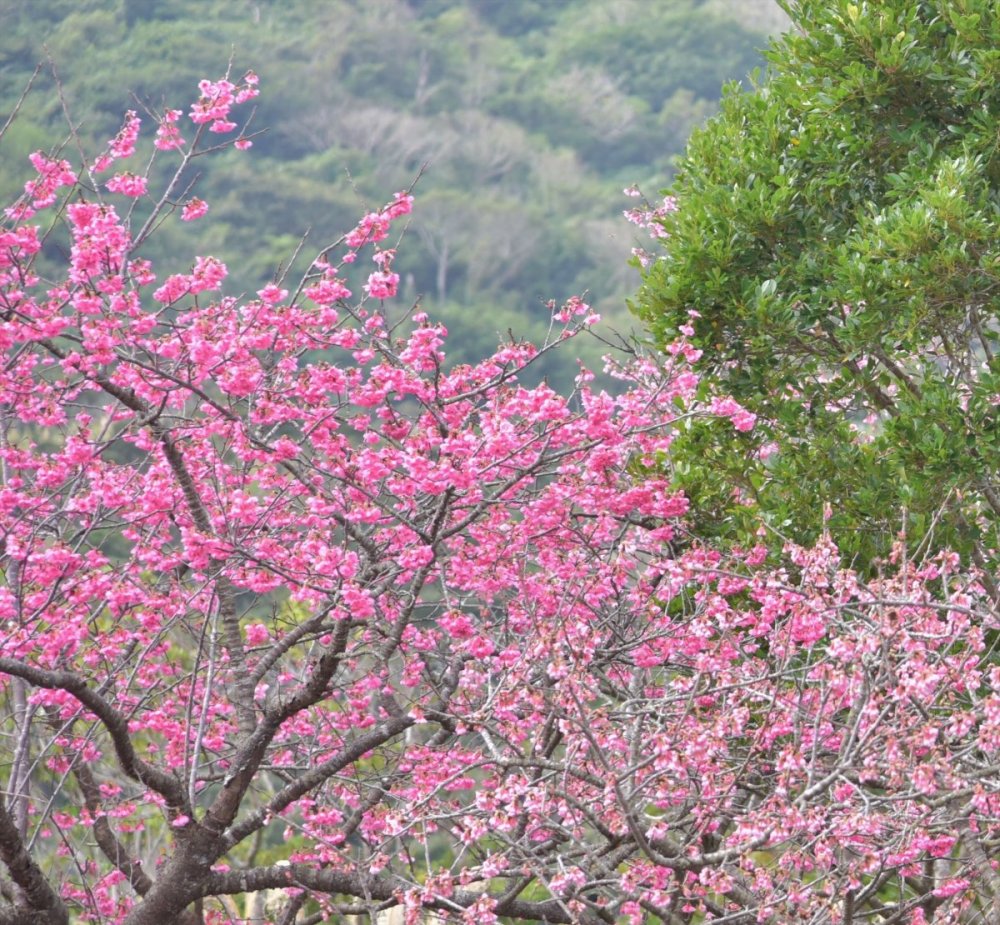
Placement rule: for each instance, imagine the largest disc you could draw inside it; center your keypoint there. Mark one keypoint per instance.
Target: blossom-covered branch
(296, 606)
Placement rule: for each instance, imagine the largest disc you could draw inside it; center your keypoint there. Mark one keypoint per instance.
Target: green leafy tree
(837, 235)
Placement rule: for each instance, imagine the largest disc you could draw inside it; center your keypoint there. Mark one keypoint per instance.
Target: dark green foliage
(838, 233)
(515, 17)
(683, 47)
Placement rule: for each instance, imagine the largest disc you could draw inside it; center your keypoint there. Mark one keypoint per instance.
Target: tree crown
(836, 232)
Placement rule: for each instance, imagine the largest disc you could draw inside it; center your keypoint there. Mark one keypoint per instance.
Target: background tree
(836, 234)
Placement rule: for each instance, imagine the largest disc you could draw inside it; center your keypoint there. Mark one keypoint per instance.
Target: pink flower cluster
(208, 274)
(741, 419)
(383, 283)
(374, 227)
(100, 241)
(218, 98)
(123, 144)
(649, 218)
(194, 209)
(128, 184)
(168, 135)
(432, 634)
(53, 175)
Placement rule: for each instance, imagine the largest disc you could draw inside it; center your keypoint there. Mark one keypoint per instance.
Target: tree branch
(164, 784)
(46, 907)
(381, 889)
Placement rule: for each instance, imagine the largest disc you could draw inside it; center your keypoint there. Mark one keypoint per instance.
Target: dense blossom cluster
(300, 622)
(217, 100)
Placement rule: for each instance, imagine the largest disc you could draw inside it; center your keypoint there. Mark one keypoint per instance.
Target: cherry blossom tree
(301, 623)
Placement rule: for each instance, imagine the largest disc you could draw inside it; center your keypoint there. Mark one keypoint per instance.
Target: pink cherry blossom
(123, 144)
(194, 209)
(128, 184)
(382, 285)
(168, 136)
(295, 608)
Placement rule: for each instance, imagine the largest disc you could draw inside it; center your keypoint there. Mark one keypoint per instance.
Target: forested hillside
(526, 118)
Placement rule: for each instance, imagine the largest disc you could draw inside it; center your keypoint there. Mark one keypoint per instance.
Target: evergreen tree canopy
(836, 234)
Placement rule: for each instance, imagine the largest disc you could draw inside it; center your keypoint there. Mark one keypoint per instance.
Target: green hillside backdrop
(523, 118)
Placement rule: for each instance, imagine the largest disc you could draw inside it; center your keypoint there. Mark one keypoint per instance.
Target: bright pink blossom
(123, 144)
(194, 209)
(128, 184)
(382, 285)
(168, 136)
(272, 294)
(294, 608)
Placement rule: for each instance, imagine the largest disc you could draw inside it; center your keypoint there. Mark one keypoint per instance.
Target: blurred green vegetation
(530, 116)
